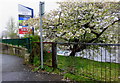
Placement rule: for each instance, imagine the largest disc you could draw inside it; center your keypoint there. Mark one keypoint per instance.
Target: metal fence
(24, 42)
(93, 62)
(49, 53)
(96, 62)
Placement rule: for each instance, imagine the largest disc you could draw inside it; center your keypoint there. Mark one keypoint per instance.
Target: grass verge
(80, 69)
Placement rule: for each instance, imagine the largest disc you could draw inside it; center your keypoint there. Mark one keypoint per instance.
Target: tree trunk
(72, 53)
(77, 48)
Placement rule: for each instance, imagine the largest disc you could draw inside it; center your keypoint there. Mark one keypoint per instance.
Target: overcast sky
(9, 8)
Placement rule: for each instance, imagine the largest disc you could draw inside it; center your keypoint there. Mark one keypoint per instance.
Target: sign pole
(41, 6)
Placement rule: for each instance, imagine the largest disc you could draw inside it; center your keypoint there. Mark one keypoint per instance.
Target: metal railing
(49, 53)
(24, 42)
(92, 61)
(97, 62)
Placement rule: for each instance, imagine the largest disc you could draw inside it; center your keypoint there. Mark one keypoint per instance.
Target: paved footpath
(14, 70)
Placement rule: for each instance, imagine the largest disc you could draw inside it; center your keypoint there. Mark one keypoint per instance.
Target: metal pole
(41, 41)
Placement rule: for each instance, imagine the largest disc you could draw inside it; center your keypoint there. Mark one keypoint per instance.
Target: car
(63, 52)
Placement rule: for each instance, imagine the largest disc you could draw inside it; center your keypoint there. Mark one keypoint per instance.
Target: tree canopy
(82, 22)
(11, 29)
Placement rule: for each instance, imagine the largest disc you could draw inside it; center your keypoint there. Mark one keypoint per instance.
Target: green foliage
(48, 69)
(47, 57)
(36, 69)
(35, 38)
(36, 61)
(77, 78)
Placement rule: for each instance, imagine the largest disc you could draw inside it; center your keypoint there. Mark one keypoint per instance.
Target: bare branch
(103, 31)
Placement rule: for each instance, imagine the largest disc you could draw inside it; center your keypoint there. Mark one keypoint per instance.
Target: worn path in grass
(14, 70)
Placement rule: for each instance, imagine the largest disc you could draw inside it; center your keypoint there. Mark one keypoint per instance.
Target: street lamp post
(41, 11)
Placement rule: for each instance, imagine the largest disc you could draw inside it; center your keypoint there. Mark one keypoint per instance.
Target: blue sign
(23, 10)
(24, 13)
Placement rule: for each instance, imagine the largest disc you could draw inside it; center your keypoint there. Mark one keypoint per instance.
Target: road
(14, 70)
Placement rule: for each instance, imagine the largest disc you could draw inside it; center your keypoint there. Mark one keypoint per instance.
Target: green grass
(47, 59)
(79, 69)
(36, 61)
(88, 69)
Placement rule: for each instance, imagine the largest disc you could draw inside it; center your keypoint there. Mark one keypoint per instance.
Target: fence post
(54, 54)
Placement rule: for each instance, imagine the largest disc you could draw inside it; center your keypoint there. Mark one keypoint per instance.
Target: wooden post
(54, 55)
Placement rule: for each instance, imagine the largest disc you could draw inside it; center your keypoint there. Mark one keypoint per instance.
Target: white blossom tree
(81, 22)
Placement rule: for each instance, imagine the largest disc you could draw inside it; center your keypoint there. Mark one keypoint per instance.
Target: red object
(49, 52)
(25, 30)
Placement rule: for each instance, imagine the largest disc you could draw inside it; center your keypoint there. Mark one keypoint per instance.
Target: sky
(9, 8)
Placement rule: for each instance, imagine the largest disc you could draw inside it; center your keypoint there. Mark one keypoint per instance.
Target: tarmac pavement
(14, 70)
